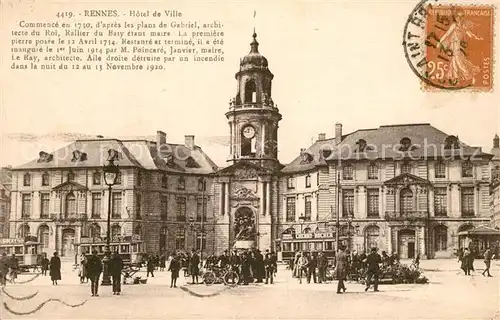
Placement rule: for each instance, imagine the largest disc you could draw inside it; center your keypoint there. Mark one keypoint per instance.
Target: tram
(28, 251)
(307, 242)
(130, 248)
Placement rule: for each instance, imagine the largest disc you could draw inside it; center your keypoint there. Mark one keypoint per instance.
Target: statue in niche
(244, 225)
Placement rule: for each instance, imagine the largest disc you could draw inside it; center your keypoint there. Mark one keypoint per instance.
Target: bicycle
(221, 275)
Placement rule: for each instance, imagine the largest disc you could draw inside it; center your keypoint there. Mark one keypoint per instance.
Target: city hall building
(405, 188)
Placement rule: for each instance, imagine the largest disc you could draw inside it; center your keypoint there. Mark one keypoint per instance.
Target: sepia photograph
(249, 159)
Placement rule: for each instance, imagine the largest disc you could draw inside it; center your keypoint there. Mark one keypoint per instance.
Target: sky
(336, 61)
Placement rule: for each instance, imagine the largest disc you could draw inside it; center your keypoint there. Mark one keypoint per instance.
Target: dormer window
(27, 180)
(44, 157)
(325, 153)
(96, 178)
(451, 142)
(306, 157)
(45, 179)
(164, 181)
(181, 183)
(191, 163)
(71, 176)
(169, 160)
(290, 183)
(405, 144)
(361, 145)
(467, 169)
(114, 155)
(79, 156)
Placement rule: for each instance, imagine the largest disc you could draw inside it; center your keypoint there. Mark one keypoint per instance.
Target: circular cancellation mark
(442, 45)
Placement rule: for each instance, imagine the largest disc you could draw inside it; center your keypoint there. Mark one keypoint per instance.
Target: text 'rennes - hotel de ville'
(413, 197)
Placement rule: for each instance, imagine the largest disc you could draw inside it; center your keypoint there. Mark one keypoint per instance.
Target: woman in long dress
(459, 68)
(55, 269)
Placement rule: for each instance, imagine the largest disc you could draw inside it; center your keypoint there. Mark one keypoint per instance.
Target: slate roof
(384, 142)
(133, 153)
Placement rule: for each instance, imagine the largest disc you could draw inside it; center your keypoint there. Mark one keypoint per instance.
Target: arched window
(70, 205)
(94, 231)
(27, 179)
(43, 235)
(116, 231)
(250, 92)
(372, 234)
(24, 231)
(406, 202)
(307, 230)
(289, 231)
(440, 238)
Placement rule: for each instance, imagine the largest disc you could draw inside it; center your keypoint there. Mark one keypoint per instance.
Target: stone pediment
(70, 186)
(406, 179)
(244, 171)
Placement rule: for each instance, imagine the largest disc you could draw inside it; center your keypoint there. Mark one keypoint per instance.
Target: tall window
(347, 203)
(372, 172)
(27, 179)
(26, 206)
(202, 185)
(308, 181)
(180, 239)
(440, 238)
(307, 208)
(373, 202)
(405, 168)
(347, 172)
(116, 231)
(139, 178)
(70, 205)
(119, 178)
(467, 201)
(201, 211)
(71, 176)
(372, 237)
(181, 208)
(116, 205)
(164, 182)
(440, 202)
(291, 183)
(45, 179)
(24, 231)
(96, 205)
(164, 207)
(406, 202)
(94, 231)
(290, 209)
(138, 206)
(181, 183)
(317, 179)
(44, 205)
(467, 169)
(43, 236)
(250, 92)
(96, 178)
(199, 242)
(440, 170)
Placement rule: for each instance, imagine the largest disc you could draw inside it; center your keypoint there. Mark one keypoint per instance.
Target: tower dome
(253, 59)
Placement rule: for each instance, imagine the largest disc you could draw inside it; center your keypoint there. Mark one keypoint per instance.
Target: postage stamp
(450, 47)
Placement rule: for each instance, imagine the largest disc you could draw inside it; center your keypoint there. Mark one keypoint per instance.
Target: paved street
(449, 295)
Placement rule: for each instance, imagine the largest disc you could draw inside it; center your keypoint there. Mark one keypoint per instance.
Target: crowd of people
(467, 256)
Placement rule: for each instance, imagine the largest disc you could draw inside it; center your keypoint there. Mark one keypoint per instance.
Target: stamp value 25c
(451, 46)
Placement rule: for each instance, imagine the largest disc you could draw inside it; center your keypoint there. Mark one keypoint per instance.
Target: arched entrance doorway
(407, 246)
(372, 236)
(43, 236)
(68, 242)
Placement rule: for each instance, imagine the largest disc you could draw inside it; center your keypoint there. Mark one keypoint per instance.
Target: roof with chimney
(131, 153)
(419, 140)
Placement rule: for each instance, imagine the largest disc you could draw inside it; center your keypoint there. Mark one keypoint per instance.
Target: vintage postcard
(249, 160)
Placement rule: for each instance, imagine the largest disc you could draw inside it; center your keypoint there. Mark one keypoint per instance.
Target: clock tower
(253, 117)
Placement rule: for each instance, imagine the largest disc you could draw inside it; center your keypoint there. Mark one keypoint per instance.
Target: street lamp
(349, 226)
(111, 172)
(191, 225)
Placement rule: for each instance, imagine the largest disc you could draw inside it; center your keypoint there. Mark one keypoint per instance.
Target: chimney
(100, 136)
(161, 140)
(496, 142)
(321, 136)
(189, 141)
(338, 133)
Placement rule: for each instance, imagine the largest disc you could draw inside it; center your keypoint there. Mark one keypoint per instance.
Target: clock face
(248, 132)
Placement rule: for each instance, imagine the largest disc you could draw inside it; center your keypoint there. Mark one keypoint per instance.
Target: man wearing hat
(373, 260)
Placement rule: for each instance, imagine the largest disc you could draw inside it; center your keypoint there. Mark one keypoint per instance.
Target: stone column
(221, 198)
(476, 200)
(228, 205)
(431, 202)
(268, 198)
(263, 140)
(261, 197)
(389, 238)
